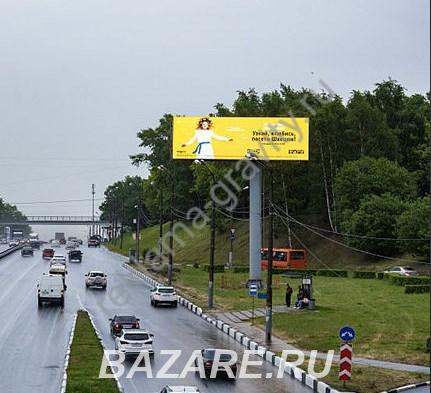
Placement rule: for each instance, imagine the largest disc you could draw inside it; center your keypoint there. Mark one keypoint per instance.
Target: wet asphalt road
(33, 342)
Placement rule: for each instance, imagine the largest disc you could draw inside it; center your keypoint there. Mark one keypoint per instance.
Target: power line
(354, 248)
(347, 234)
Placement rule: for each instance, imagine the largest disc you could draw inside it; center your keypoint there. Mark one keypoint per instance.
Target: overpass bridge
(56, 220)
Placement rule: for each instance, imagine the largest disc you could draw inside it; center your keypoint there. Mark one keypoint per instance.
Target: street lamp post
(212, 242)
(138, 229)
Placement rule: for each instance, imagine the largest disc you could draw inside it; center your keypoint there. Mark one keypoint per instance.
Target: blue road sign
(347, 333)
(262, 295)
(252, 290)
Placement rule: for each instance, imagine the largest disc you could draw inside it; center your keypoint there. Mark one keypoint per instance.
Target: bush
(416, 288)
(380, 275)
(364, 274)
(407, 280)
(196, 265)
(240, 269)
(217, 268)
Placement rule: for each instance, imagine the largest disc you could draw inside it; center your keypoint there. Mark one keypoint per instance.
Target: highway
(35, 341)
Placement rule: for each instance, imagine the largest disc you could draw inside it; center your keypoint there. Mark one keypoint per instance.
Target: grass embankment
(368, 379)
(390, 325)
(85, 360)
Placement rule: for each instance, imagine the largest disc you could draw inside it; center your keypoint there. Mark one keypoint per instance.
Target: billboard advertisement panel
(231, 138)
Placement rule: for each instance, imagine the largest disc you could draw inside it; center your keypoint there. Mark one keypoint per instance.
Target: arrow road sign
(347, 333)
(345, 362)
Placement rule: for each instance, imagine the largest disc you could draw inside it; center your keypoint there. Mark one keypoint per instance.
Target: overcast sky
(79, 78)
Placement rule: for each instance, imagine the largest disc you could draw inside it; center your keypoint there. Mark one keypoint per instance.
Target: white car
(133, 341)
(163, 295)
(96, 279)
(58, 258)
(50, 289)
(70, 245)
(55, 243)
(404, 271)
(180, 389)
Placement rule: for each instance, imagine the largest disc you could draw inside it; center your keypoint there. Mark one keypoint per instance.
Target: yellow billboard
(232, 138)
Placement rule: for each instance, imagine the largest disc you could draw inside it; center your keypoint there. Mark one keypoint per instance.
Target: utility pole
(138, 229)
(171, 234)
(92, 220)
(161, 224)
(268, 325)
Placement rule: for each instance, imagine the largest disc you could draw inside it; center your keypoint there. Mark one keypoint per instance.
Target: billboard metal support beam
(255, 226)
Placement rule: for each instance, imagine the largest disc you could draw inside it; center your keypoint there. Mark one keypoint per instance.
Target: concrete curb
(407, 387)
(67, 357)
(293, 371)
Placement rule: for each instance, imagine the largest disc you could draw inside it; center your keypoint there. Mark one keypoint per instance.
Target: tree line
(367, 177)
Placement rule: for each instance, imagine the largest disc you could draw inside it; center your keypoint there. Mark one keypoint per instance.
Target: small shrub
(359, 274)
(240, 269)
(217, 268)
(409, 280)
(416, 288)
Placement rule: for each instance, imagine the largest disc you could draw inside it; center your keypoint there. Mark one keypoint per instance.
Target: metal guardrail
(10, 250)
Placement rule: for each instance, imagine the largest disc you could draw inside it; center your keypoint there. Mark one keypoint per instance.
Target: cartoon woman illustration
(203, 135)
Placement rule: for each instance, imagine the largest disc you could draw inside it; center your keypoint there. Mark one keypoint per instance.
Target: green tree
(370, 176)
(376, 217)
(413, 223)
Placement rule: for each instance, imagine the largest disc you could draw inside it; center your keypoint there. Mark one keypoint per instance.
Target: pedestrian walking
(289, 292)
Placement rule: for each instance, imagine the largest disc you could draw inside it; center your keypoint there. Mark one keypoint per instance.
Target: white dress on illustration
(204, 149)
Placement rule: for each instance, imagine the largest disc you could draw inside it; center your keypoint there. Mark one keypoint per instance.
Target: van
(51, 290)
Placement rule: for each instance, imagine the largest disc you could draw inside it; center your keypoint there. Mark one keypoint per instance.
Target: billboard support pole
(255, 230)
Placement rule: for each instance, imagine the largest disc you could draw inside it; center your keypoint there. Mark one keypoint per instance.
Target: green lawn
(85, 360)
(368, 379)
(390, 324)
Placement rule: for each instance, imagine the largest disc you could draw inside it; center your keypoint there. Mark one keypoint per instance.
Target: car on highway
(13, 243)
(133, 341)
(47, 253)
(120, 322)
(163, 295)
(70, 246)
(59, 270)
(3, 241)
(50, 289)
(93, 243)
(75, 256)
(96, 279)
(27, 251)
(208, 356)
(58, 258)
(180, 389)
(55, 243)
(404, 271)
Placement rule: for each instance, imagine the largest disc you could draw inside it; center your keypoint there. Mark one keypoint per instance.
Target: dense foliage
(10, 212)
(368, 173)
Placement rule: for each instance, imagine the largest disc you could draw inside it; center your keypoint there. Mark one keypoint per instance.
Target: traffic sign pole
(346, 334)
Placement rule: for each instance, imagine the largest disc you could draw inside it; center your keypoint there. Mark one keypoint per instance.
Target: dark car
(27, 252)
(208, 356)
(75, 256)
(47, 253)
(93, 243)
(118, 322)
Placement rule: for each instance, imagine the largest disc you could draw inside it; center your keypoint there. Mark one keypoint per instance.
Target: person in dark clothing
(289, 292)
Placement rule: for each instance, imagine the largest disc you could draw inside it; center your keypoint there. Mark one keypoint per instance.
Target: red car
(47, 253)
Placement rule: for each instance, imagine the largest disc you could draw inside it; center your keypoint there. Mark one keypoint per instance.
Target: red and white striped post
(345, 373)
